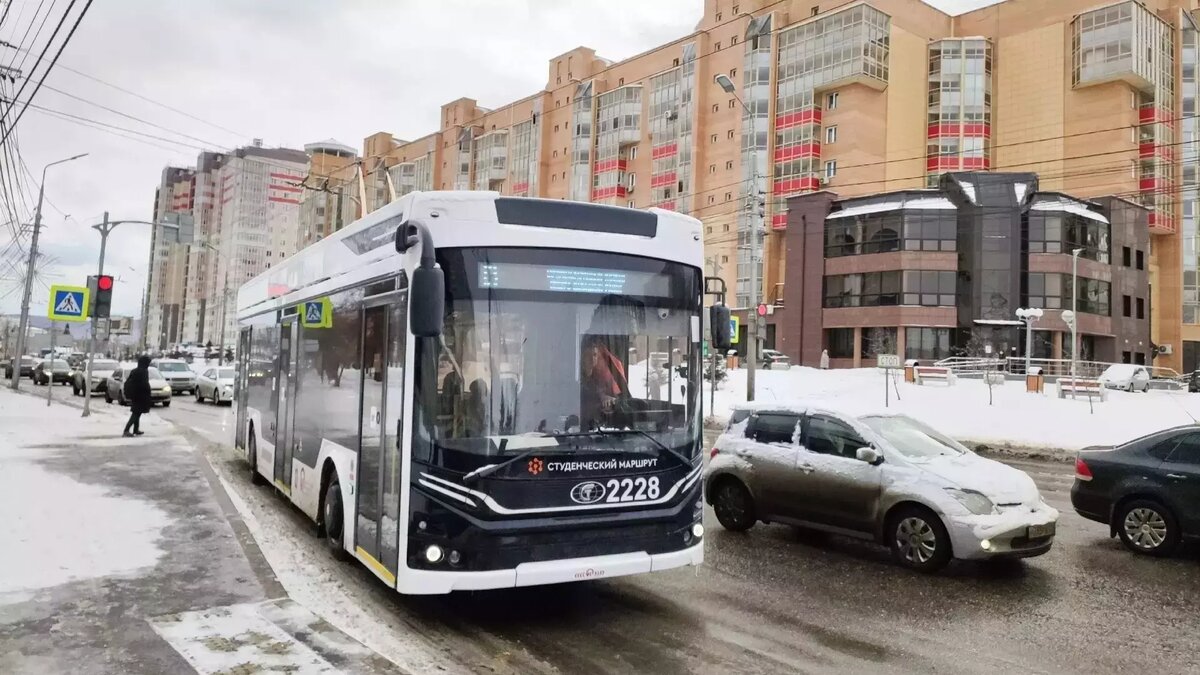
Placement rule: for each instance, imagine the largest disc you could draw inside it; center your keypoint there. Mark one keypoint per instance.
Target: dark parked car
(1147, 491)
(27, 364)
(56, 370)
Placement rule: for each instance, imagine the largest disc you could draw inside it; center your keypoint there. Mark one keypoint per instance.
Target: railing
(966, 365)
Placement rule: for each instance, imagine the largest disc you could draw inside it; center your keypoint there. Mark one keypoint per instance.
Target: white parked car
(178, 374)
(1126, 377)
(882, 477)
(215, 384)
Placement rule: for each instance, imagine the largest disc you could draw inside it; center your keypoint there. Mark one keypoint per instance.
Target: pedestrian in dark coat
(137, 392)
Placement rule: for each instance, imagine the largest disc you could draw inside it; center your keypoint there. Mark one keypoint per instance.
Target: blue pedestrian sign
(68, 303)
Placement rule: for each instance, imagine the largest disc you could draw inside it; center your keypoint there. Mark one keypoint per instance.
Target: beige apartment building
(1098, 98)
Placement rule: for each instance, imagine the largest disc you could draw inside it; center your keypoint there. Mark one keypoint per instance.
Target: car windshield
(172, 367)
(153, 373)
(911, 438)
(56, 364)
(103, 365)
(592, 342)
(226, 374)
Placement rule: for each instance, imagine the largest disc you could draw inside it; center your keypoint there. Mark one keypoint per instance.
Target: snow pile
(57, 530)
(1014, 418)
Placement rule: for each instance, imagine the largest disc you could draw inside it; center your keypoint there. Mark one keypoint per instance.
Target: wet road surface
(777, 600)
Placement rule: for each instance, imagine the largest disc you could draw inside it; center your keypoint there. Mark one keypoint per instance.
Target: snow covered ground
(1015, 418)
(57, 530)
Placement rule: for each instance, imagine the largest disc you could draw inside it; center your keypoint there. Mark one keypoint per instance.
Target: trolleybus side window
(328, 381)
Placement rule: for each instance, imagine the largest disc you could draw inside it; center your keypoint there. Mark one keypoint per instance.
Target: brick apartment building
(940, 272)
(857, 98)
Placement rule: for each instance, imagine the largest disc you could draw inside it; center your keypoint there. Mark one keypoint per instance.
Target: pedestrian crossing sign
(68, 303)
(317, 313)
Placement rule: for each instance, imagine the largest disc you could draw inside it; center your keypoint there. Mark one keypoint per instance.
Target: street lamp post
(104, 228)
(756, 215)
(37, 227)
(1029, 316)
(1074, 310)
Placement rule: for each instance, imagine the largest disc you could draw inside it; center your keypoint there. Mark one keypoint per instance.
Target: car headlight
(973, 501)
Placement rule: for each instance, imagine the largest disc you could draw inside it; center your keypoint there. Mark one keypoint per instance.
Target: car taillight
(1082, 471)
(713, 454)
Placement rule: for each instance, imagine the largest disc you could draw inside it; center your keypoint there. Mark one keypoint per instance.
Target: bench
(1081, 387)
(933, 373)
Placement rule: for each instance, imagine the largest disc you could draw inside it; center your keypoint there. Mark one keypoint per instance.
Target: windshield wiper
(601, 432)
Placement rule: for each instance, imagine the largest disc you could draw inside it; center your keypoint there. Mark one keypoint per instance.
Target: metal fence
(965, 365)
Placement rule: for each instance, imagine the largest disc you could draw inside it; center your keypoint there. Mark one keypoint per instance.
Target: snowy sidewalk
(116, 556)
(1014, 418)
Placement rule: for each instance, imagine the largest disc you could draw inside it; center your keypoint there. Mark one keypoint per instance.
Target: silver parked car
(216, 385)
(178, 373)
(114, 387)
(101, 370)
(882, 477)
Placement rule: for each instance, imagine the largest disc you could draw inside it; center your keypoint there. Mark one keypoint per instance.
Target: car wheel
(252, 457)
(199, 397)
(107, 398)
(1147, 527)
(734, 506)
(918, 539)
(333, 521)
(166, 404)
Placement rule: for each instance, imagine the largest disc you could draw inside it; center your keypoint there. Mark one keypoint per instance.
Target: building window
(890, 231)
(732, 102)
(729, 164)
(1126, 306)
(632, 180)
(555, 153)
(733, 39)
(1141, 308)
(830, 169)
(708, 230)
(1053, 291)
(718, 16)
(726, 228)
(869, 289)
(712, 138)
(1127, 256)
(724, 258)
(712, 168)
(632, 205)
(876, 341)
(1141, 261)
(735, 10)
(717, 47)
(831, 135)
(929, 288)
(711, 199)
(1061, 232)
(633, 152)
(729, 134)
(716, 107)
(840, 343)
(728, 196)
(831, 100)
(926, 344)
(621, 82)
(816, 9)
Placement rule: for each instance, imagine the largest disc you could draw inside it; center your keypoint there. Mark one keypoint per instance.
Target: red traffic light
(762, 309)
(104, 282)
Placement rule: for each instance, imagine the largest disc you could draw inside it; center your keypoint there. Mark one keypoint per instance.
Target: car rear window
(172, 367)
(738, 416)
(775, 427)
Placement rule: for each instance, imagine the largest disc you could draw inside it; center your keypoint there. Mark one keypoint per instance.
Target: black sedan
(27, 364)
(1147, 491)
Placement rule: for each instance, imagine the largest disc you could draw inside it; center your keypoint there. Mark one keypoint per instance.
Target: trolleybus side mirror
(427, 294)
(718, 320)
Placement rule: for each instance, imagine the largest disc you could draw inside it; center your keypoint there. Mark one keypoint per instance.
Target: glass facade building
(960, 106)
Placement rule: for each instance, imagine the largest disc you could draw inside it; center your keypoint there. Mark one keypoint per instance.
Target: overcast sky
(289, 72)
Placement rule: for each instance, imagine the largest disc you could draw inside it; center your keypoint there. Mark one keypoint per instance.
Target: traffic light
(103, 303)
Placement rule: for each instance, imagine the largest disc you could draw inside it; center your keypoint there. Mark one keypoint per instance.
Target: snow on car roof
(803, 406)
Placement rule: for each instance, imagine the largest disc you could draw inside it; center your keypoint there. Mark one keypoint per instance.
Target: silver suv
(886, 478)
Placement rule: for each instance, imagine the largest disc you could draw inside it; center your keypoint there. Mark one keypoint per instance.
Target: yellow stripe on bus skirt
(375, 565)
(286, 490)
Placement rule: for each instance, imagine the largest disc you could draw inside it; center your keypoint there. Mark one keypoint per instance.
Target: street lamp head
(725, 83)
(1076, 252)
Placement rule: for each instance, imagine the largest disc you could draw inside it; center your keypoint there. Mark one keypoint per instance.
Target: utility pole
(24, 323)
(103, 228)
(52, 357)
(33, 244)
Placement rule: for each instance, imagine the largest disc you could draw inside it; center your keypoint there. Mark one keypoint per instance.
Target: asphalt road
(775, 600)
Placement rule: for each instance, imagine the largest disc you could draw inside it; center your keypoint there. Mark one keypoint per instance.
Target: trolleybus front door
(384, 343)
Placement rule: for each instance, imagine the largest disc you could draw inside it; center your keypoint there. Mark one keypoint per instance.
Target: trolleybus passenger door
(285, 389)
(385, 328)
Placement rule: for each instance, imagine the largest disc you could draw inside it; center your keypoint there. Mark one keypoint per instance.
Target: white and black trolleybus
(469, 391)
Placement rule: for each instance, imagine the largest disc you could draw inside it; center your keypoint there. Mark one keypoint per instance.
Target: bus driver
(601, 383)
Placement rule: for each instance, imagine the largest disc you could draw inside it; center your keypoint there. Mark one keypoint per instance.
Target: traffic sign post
(69, 303)
(888, 363)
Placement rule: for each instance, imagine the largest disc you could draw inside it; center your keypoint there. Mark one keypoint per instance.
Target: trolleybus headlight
(434, 554)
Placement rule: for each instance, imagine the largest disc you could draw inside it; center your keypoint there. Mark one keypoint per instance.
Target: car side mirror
(869, 455)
